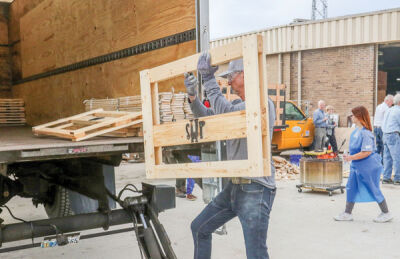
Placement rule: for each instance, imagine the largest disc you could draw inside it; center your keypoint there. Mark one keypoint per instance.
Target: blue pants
(252, 203)
(379, 140)
(391, 156)
(189, 186)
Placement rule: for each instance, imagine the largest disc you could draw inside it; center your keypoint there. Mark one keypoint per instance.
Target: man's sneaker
(383, 217)
(344, 217)
(387, 181)
(180, 194)
(396, 182)
(191, 197)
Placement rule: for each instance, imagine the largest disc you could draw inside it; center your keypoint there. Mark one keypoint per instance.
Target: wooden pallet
(89, 124)
(251, 123)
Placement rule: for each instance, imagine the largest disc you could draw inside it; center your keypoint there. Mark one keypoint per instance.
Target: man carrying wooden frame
(249, 198)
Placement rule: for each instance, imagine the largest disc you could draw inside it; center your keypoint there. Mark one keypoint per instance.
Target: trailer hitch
(142, 210)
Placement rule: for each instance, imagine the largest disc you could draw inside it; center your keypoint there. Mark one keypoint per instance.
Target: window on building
(388, 70)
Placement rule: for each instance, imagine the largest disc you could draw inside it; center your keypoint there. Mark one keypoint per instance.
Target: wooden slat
(176, 68)
(145, 87)
(266, 138)
(203, 169)
(253, 105)
(12, 109)
(171, 134)
(101, 132)
(63, 120)
(156, 120)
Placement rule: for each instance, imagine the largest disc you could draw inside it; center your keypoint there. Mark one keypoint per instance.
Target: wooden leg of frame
(147, 113)
(266, 141)
(253, 105)
(156, 120)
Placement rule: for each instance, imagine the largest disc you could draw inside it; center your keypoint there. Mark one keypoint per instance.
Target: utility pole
(319, 9)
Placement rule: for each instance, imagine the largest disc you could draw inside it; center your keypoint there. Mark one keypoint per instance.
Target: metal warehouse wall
(375, 27)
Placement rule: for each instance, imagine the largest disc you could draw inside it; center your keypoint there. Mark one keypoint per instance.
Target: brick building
(346, 61)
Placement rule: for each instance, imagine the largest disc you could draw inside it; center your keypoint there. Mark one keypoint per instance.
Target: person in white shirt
(378, 119)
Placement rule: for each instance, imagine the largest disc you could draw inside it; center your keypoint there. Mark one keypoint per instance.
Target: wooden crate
(252, 123)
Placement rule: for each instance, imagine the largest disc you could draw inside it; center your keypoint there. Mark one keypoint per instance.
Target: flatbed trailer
(18, 144)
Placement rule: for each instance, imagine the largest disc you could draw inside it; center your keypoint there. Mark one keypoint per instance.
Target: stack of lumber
(186, 108)
(174, 107)
(12, 112)
(91, 124)
(165, 107)
(105, 104)
(177, 103)
(128, 103)
(284, 169)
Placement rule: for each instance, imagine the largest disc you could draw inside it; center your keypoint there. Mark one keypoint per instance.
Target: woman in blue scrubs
(365, 169)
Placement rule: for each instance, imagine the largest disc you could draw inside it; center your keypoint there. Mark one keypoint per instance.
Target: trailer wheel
(60, 205)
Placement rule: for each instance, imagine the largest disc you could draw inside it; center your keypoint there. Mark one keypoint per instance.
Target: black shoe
(387, 181)
(396, 182)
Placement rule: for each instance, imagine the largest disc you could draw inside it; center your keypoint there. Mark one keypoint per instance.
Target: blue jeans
(379, 140)
(391, 156)
(252, 203)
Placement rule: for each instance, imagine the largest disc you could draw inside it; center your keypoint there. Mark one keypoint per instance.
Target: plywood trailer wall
(5, 60)
(17, 10)
(57, 33)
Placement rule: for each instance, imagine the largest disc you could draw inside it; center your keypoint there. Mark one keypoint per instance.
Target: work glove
(204, 67)
(191, 84)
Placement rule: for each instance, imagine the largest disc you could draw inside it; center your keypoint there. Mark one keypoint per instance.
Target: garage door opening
(388, 70)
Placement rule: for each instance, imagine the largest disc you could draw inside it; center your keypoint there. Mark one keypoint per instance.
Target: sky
(231, 17)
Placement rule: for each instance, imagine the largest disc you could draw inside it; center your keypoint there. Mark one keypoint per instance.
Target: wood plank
(219, 56)
(253, 106)
(145, 87)
(64, 120)
(104, 131)
(266, 138)
(12, 109)
(156, 120)
(232, 168)
(172, 134)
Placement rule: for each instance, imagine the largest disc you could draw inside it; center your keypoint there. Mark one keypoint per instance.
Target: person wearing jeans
(391, 141)
(251, 203)
(249, 199)
(378, 119)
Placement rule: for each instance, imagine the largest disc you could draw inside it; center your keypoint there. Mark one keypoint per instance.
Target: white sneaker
(344, 217)
(383, 217)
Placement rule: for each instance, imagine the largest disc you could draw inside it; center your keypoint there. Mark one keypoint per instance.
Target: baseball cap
(234, 66)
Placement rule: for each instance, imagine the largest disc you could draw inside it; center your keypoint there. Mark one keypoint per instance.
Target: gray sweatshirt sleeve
(199, 110)
(218, 101)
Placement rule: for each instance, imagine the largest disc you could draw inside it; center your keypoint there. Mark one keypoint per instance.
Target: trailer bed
(19, 144)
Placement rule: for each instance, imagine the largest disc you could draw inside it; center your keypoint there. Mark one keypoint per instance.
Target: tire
(60, 206)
